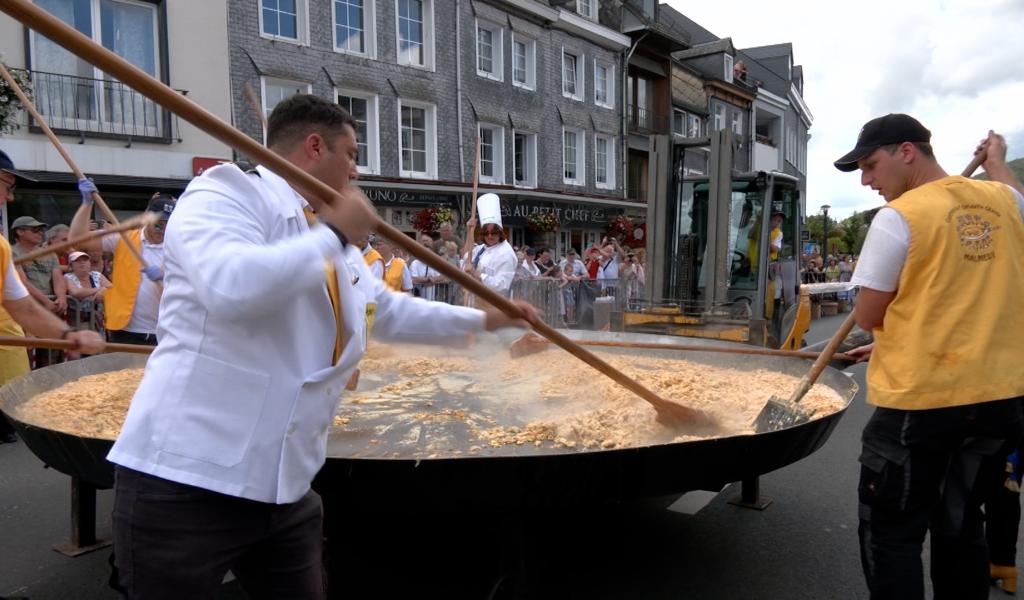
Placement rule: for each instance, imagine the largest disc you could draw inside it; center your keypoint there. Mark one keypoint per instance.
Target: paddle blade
(529, 343)
(779, 414)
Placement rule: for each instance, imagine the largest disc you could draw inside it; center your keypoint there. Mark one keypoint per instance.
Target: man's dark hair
(923, 147)
(295, 118)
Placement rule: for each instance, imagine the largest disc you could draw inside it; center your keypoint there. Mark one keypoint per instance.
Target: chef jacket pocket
(219, 408)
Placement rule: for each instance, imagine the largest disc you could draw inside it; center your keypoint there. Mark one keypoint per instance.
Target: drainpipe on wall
(625, 116)
(458, 84)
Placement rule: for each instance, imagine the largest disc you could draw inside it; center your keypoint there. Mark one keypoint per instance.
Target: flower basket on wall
(10, 106)
(429, 220)
(542, 222)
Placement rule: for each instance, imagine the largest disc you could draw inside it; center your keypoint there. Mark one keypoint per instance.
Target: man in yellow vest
(131, 306)
(941, 278)
(18, 310)
(396, 273)
(371, 256)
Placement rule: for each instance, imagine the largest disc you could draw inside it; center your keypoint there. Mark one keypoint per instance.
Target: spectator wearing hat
(529, 269)
(19, 311)
(133, 303)
(43, 276)
(87, 286)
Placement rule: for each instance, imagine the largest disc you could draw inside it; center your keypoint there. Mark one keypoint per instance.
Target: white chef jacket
(240, 393)
(497, 265)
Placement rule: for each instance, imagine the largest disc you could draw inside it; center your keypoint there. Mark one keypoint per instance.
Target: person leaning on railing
(86, 288)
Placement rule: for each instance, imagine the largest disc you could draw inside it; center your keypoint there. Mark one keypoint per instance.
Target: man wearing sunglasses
(132, 304)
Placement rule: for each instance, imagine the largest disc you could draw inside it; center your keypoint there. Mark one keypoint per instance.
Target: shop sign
(567, 215)
(389, 196)
(202, 163)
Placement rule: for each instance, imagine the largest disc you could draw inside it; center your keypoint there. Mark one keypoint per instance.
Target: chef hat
(489, 208)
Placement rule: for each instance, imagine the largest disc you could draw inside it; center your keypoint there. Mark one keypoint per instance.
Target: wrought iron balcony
(103, 108)
(645, 120)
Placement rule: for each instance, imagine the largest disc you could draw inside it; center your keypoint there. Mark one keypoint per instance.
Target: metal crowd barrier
(561, 304)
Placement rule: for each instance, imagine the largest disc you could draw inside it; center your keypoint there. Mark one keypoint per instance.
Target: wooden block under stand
(829, 309)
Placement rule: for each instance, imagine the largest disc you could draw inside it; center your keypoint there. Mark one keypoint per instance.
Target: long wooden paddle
(115, 66)
(142, 220)
(55, 344)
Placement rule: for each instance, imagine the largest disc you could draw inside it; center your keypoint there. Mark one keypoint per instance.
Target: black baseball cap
(6, 164)
(893, 128)
(162, 203)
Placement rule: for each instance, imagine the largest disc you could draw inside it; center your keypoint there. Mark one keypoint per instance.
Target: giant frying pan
(381, 458)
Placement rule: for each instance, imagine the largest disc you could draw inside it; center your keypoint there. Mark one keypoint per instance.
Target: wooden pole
(140, 221)
(115, 66)
(55, 344)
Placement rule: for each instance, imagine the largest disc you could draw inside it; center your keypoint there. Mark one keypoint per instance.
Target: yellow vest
(954, 331)
(120, 299)
(13, 360)
(372, 256)
(393, 274)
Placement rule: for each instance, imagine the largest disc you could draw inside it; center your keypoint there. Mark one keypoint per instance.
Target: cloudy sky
(956, 65)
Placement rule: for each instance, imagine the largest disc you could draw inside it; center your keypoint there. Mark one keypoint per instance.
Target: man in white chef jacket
(494, 261)
(229, 425)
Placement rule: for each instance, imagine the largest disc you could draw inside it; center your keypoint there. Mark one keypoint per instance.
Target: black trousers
(931, 470)
(1002, 521)
(130, 337)
(177, 541)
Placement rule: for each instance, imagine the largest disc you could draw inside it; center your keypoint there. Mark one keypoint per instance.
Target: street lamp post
(824, 245)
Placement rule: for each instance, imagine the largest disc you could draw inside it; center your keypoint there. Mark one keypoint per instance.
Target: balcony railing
(645, 120)
(100, 108)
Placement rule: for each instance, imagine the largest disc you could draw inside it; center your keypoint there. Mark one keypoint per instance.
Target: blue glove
(86, 187)
(153, 273)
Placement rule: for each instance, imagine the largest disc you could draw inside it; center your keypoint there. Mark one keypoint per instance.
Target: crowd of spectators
(543, 276)
(829, 269)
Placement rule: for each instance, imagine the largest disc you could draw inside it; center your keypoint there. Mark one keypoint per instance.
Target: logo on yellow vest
(975, 233)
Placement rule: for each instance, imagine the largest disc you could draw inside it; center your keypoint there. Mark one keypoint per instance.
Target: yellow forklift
(723, 250)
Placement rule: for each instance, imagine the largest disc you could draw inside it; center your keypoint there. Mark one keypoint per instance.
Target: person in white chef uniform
(230, 422)
(493, 261)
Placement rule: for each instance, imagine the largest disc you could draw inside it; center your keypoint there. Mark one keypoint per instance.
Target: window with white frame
(492, 153)
(678, 121)
(524, 62)
(728, 67)
(604, 85)
(604, 161)
(719, 117)
(573, 153)
(418, 133)
(285, 20)
(587, 8)
(363, 108)
(524, 159)
(489, 51)
(354, 27)
(737, 124)
(694, 126)
(572, 75)
(276, 90)
(415, 22)
(133, 31)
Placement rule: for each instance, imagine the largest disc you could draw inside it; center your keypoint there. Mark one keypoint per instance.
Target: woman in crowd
(528, 268)
(832, 270)
(87, 287)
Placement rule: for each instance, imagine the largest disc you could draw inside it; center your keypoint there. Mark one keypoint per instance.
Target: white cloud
(953, 64)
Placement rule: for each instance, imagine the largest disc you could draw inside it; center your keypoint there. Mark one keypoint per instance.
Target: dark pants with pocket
(119, 336)
(930, 471)
(177, 541)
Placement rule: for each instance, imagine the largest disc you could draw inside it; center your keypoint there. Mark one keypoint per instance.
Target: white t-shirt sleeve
(884, 253)
(109, 242)
(14, 289)
(406, 280)
(1020, 200)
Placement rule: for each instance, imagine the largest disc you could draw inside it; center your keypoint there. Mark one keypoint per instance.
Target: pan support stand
(750, 495)
(83, 521)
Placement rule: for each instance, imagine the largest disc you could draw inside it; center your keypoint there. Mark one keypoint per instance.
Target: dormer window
(587, 9)
(728, 68)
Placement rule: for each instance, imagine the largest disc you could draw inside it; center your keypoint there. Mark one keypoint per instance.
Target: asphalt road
(803, 546)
